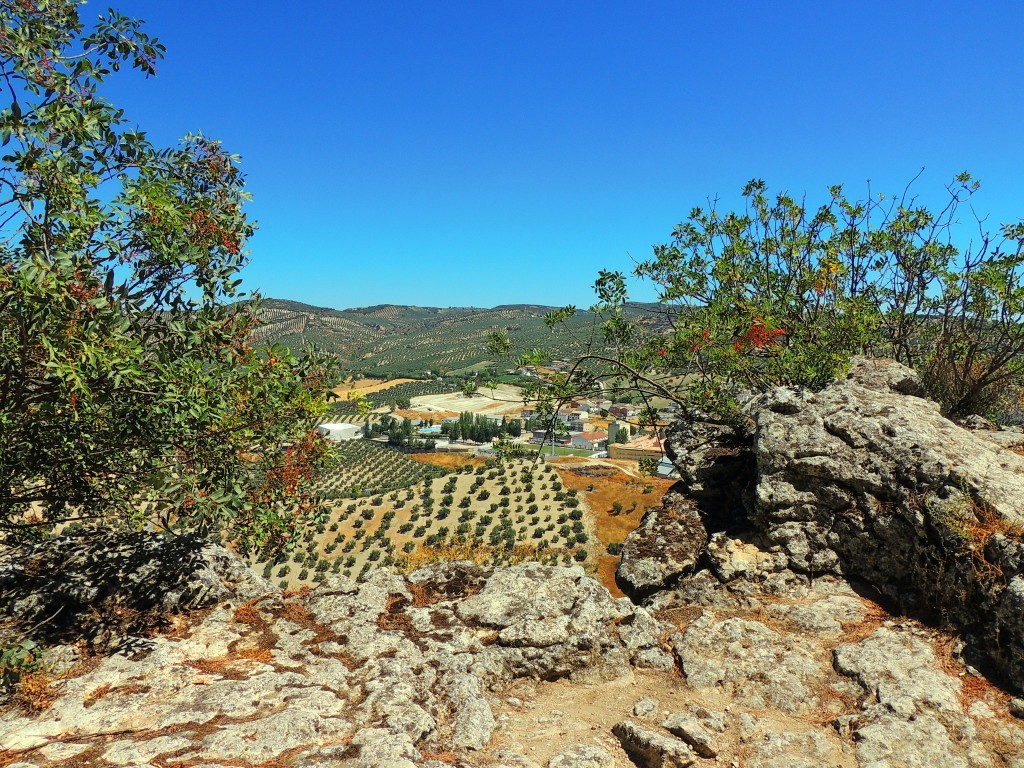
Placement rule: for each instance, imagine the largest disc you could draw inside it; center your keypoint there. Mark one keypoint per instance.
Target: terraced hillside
(401, 340)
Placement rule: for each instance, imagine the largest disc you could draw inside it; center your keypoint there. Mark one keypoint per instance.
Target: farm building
(592, 441)
(623, 411)
(643, 447)
(340, 431)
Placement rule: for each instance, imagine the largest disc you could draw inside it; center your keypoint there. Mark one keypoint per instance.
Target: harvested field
(436, 416)
(366, 386)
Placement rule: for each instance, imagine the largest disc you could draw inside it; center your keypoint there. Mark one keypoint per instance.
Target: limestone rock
(863, 480)
(867, 479)
(645, 706)
(667, 544)
(761, 667)
(111, 588)
(690, 730)
(582, 756)
(653, 749)
(361, 674)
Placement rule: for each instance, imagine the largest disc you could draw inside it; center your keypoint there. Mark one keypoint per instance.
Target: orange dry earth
(426, 415)
(366, 386)
(620, 487)
(447, 460)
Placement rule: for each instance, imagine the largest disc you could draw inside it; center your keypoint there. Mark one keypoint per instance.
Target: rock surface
(110, 589)
(375, 673)
(666, 545)
(866, 479)
(530, 666)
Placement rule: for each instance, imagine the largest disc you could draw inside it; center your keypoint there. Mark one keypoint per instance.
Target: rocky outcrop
(364, 674)
(667, 544)
(867, 479)
(758, 643)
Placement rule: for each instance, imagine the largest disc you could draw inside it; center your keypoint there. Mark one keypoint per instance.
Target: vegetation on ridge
(785, 293)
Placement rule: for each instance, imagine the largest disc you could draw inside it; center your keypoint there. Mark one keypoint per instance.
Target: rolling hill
(393, 340)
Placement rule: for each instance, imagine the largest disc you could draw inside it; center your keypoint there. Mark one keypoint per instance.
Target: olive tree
(130, 391)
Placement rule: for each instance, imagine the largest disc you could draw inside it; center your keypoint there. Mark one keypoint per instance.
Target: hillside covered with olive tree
(413, 341)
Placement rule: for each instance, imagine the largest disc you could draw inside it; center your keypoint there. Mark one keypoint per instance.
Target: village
(596, 428)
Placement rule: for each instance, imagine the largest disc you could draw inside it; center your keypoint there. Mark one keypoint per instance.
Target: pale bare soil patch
(504, 399)
(448, 460)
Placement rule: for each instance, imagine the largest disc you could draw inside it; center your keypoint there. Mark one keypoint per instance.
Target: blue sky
(479, 153)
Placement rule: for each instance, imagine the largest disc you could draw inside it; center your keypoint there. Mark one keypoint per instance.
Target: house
(340, 431)
(591, 441)
(623, 410)
(572, 419)
(643, 447)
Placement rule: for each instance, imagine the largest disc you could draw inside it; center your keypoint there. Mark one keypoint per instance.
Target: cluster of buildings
(582, 424)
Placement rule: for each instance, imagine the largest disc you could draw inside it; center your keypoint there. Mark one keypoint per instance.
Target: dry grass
(367, 386)
(442, 756)
(247, 614)
(829, 704)
(297, 614)
(972, 688)
(874, 617)
(975, 524)
(477, 554)
(421, 597)
(220, 666)
(34, 693)
(600, 493)
(394, 617)
(262, 655)
(95, 695)
(447, 460)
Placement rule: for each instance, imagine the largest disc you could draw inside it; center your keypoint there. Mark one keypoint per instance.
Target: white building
(340, 431)
(591, 441)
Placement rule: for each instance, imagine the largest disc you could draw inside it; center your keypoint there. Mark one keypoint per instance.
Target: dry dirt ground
(366, 386)
(503, 399)
(541, 719)
(448, 460)
(601, 483)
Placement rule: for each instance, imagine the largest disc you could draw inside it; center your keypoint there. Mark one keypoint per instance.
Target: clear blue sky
(478, 153)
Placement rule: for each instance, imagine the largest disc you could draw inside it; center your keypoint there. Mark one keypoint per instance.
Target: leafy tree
(783, 292)
(129, 388)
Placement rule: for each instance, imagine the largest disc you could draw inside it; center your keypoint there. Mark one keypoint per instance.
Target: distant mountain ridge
(391, 339)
